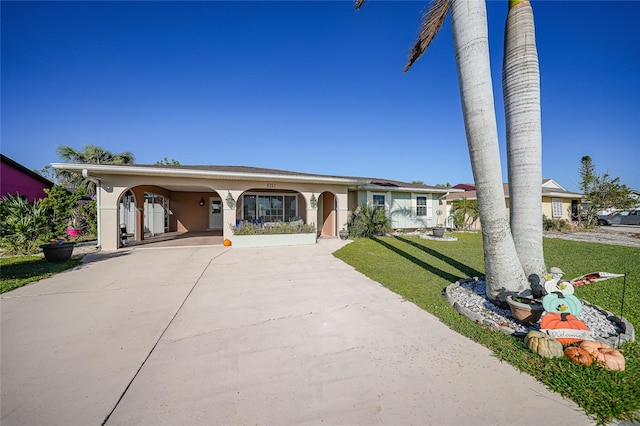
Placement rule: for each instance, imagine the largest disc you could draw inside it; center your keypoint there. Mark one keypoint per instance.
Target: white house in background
(154, 199)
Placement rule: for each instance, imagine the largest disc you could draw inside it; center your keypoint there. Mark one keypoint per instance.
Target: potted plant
(344, 234)
(74, 226)
(57, 250)
(438, 231)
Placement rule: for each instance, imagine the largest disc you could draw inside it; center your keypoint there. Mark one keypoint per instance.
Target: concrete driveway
(215, 335)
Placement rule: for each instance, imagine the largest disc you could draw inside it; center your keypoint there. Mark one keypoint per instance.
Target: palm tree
(90, 154)
(521, 92)
(465, 212)
(504, 273)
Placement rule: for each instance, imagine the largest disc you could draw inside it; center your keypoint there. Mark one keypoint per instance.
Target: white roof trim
(202, 174)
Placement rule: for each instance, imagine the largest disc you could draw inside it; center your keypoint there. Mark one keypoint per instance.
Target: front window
(421, 206)
(556, 204)
(378, 200)
(270, 208)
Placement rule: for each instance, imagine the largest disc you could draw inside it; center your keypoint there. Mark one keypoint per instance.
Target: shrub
(554, 224)
(278, 228)
(61, 205)
(23, 225)
(368, 221)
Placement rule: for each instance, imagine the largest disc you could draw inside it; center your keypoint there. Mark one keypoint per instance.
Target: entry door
(215, 213)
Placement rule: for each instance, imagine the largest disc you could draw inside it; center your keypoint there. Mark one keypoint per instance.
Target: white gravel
(471, 295)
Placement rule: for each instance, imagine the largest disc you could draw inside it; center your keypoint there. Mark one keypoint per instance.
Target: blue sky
(306, 86)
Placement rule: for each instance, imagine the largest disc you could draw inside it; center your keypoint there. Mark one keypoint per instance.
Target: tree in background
(601, 191)
(465, 212)
(167, 162)
(61, 207)
(90, 154)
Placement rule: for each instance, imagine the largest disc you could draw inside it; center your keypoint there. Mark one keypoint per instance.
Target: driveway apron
(282, 336)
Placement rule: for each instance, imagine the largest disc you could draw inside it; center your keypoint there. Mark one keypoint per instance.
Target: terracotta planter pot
(526, 311)
(57, 253)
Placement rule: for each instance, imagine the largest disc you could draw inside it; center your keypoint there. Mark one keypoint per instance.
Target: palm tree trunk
(504, 274)
(521, 91)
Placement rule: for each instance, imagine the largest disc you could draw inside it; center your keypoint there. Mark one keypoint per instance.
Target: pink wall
(14, 181)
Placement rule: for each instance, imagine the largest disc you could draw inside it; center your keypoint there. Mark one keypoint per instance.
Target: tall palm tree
(90, 154)
(504, 273)
(521, 92)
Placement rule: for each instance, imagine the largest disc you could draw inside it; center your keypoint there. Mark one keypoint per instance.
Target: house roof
(550, 188)
(244, 173)
(23, 169)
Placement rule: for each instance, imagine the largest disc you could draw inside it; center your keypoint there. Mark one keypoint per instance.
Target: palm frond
(432, 20)
(359, 4)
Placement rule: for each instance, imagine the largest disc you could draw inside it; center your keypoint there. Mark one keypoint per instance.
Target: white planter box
(275, 240)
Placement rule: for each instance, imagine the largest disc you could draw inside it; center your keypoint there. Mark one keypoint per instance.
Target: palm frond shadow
(465, 269)
(424, 265)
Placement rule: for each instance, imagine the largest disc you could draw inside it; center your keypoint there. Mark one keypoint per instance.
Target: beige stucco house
(557, 202)
(148, 200)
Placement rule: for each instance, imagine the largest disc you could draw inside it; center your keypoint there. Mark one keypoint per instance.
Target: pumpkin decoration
(604, 355)
(562, 303)
(543, 344)
(578, 355)
(557, 286)
(226, 242)
(565, 328)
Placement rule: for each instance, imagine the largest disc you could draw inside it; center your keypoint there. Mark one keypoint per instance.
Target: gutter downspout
(85, 174)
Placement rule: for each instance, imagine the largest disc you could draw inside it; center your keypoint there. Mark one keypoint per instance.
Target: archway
(327, 214)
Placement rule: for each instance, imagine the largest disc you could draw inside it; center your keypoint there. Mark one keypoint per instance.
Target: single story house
(17, 179)
(155, 199)
(557, 202)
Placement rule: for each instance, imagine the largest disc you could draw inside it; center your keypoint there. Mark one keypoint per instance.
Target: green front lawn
(20, 270)
(419, 270)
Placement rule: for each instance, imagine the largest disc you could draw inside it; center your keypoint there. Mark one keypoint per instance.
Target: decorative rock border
(627, 332)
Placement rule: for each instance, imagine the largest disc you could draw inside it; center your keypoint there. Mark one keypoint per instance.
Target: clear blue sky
(306, 86)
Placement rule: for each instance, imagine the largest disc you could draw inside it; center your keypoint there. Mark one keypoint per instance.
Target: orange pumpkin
(578, 355)
(565, 328)
(604, 355)
(226, 242)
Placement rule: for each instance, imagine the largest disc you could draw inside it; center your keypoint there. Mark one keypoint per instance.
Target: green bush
(369, 221)
(554, 224)
(23, 225)
(62, 207)
(278, 228)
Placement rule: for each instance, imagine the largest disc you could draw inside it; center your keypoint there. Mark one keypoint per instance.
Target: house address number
(271, 185)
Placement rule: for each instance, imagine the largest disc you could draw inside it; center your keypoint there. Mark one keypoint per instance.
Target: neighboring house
(557, 202)
(17, 179)
(154, 199)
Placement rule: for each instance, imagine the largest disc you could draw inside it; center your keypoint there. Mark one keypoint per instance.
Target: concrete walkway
(216, 335)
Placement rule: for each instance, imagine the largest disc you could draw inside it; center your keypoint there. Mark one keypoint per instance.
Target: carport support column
(312, 212)
(229, 212)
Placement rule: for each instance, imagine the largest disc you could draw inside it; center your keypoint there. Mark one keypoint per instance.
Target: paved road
(212, 335)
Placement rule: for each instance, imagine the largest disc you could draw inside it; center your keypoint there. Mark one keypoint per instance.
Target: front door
(215, 213)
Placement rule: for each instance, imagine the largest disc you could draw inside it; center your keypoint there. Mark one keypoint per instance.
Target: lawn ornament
(578, 355)
(593, 277)
(543, 344)
(560, 303)
(555, 286)
(565, 328)
(604, 355)
(226, 242)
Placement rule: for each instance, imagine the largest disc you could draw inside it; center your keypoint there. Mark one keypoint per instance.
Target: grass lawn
(420, 269)
(20, 270)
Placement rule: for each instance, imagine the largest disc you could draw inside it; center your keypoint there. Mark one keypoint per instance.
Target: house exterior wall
(185, 200)
(15, 181)
(547, 208)
(186, 214)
